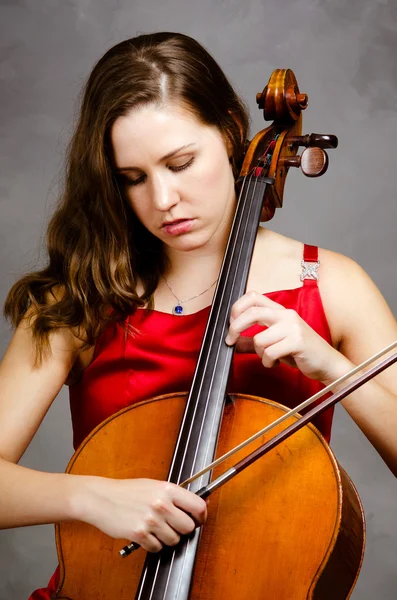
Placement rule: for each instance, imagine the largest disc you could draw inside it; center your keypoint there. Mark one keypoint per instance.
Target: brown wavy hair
(97, 249)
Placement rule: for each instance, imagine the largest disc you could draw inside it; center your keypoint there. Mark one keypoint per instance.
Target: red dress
(160, 358)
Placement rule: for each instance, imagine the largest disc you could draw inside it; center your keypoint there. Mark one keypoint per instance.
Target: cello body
(290, 527)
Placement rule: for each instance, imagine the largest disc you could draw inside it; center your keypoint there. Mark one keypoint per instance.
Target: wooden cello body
(290, 527)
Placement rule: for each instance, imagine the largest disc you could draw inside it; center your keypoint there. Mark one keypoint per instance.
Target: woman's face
(176, 175)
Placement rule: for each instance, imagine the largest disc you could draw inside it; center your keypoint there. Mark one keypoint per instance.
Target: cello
(289, 527)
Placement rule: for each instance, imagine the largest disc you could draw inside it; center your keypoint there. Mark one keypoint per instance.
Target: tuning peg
(319, 140)
(313, 162)
(300, 99)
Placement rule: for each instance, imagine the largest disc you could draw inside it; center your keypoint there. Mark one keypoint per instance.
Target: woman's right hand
(146, 511)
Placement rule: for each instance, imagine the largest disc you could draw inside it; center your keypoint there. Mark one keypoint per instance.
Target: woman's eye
(182, 167)
(128, 181)
(175, 168)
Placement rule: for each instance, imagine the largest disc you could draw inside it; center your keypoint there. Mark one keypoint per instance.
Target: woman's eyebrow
(169, 155)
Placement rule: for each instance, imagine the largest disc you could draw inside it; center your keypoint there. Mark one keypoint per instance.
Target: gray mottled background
(344, 55)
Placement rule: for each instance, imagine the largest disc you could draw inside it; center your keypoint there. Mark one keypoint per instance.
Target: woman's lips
(179, 226)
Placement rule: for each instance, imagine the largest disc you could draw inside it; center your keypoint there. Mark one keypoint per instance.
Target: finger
(176, 518)
(147, 541)
(260, 341)
(278, 352)
(255, 315)
(182, 522)
(167, 535)
(252, 298)
(190, 503)
(155, 524)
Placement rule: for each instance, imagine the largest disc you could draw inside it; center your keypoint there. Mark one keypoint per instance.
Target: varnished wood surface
(270, 533)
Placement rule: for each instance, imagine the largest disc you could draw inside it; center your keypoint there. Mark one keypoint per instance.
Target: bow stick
(291, 413)
(283, 435)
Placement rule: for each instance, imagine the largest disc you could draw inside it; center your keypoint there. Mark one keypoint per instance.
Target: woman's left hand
(288, 338)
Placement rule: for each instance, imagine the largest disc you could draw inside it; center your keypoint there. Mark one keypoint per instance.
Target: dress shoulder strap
(310, 265)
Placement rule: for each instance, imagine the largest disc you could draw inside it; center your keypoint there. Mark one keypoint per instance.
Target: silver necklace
(178, 308)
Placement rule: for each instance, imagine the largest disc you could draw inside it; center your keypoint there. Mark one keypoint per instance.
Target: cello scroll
(275, 148)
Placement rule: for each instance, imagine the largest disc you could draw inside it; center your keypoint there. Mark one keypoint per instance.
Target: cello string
(218, 309)
(290, 413)
(251, 205)
(242, 226)
(221, 304)
(237, 252)
(189, 435)
(247, 214)
(199, 391)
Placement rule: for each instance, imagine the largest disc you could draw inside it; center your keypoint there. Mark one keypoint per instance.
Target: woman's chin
(189, 243)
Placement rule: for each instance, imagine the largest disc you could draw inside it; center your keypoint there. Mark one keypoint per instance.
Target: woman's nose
(164, 194)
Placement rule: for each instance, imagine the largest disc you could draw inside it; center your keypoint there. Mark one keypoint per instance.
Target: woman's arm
(26, 393)
(361, 323)
(146, 511)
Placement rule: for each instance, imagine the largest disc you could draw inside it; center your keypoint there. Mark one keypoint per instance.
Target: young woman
(142, 224)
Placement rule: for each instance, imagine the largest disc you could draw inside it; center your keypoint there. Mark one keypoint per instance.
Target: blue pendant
(177, 310)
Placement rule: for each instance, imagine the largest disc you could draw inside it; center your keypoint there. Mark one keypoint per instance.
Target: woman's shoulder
(286, 254)
(340, 277)
(343, 280)
(346, 290)
(73, 338)
(286, 247)
(276, 263)
(350, 297)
